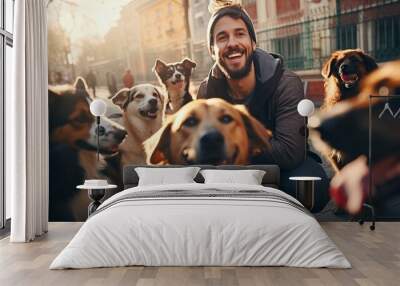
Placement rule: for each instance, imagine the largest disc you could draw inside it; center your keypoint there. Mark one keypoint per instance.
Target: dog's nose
(178, 76)
(100, 130)
(211, 139)
(344, 67)
(120, 135)
(153, 102)
(211, 148)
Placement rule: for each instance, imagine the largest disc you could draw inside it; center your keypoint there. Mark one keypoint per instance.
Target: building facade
(163, 33)
(146, 30)
(306, 32)
(198, 20)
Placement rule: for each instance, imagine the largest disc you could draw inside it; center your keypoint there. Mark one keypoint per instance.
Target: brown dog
(343, 73)
(70, 119)
(346, 127)
(70, 122)
(209, 131)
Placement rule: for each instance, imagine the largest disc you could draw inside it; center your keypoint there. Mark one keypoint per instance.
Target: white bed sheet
(200, 232)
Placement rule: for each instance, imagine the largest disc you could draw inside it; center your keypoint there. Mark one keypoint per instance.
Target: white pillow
(248, 177)
(163, 176)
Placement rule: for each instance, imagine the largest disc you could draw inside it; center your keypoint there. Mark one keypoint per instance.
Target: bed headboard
(271, 177)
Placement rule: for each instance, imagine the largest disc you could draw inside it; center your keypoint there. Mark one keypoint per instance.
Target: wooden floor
(375, 256)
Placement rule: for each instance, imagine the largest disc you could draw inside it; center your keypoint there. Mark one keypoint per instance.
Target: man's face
(233, 48)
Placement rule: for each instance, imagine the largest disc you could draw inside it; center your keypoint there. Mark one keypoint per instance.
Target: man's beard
(237, 74)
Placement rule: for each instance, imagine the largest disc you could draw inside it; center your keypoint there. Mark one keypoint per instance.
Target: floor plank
(375, 257)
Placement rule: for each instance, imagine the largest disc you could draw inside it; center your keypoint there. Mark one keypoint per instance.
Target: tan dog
(143, 112)
(209, 131)
(343, 73)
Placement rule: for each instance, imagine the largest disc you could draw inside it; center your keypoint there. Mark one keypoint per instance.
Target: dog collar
(86, 146)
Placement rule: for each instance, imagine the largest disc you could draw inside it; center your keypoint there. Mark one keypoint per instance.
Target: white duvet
(183, 231)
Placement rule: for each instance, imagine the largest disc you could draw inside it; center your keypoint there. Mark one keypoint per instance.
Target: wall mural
(149, 77)
(151, 118)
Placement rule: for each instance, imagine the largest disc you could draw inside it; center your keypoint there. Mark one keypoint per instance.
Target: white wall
(8, 73)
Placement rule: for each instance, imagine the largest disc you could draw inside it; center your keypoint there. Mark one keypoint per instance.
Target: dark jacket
(273, 102)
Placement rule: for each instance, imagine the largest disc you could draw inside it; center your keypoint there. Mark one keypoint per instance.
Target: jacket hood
(267, 65)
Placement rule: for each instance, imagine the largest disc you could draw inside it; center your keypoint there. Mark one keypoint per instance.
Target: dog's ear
(370, 63)
(159, 66)
(161, 93)
(157, 145)
(259, 136)
(58, 113)
(80, 83)
(188, 64)
(81, 87)
(121, 98)
(328, 67)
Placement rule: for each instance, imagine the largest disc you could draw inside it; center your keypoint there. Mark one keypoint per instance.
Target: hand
(349, 187)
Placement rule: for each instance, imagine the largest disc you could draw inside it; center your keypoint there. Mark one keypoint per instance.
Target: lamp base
(305, 192)
(95, 195)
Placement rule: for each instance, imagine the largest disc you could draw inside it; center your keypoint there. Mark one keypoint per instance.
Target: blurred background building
(304, 32)
(198, 20)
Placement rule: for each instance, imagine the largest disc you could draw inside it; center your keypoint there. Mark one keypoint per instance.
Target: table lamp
(305, 108)
(98, 108)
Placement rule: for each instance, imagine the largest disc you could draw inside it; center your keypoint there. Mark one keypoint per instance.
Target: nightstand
(305, 190)
(96, 193)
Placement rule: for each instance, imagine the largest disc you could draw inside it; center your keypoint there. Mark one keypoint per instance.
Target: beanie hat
(233, 10)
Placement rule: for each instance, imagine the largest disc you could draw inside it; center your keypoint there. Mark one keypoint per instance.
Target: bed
(197, 224)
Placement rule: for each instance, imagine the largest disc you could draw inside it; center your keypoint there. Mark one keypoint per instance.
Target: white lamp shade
(305, 107)
(98, 107)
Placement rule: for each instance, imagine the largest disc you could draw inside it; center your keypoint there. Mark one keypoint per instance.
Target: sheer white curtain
(27, 123)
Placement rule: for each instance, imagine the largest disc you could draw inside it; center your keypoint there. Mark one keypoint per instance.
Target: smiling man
(245, 74)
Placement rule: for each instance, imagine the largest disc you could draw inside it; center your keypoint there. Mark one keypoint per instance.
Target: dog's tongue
(179, 84)
(349, 77)
(152, 113)
(114, 148)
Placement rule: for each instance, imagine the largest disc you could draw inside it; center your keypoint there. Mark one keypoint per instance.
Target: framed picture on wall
(384, 135)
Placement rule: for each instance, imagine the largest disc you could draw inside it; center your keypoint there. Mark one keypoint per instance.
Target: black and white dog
(176, 79)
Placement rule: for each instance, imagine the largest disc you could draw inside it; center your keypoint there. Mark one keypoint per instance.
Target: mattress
(201, 225)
